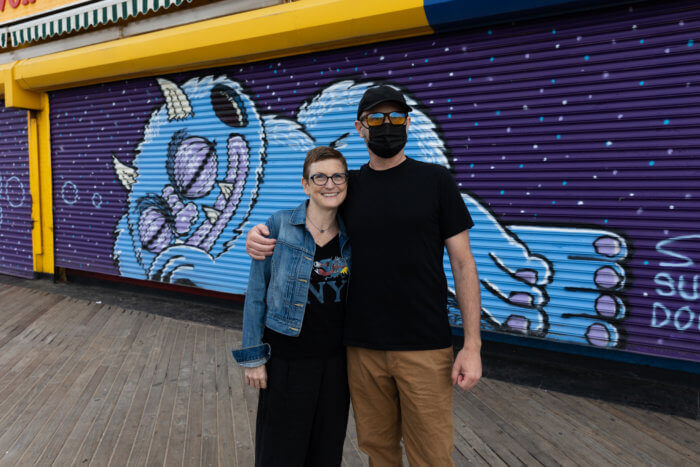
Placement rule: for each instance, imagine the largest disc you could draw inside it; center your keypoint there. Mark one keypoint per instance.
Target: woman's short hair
(321, 153)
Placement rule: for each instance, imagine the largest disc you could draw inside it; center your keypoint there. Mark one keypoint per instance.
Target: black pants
(303, 413)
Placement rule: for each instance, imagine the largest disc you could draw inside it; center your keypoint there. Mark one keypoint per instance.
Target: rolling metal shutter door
(15, 201)
(573, 140)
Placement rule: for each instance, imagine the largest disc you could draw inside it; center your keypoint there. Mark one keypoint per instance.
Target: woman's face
(329, 195)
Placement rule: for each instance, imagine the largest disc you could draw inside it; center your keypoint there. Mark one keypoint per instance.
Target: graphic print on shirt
(328, 279)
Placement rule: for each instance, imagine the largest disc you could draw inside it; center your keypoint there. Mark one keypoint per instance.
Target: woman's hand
(256, 377)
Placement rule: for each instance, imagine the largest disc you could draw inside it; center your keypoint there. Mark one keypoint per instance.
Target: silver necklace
(317, 227)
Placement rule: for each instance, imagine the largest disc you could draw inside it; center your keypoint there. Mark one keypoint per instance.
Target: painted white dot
(556, 46)
(614, 172)
(634, 26)
(619, 116)
(492, 167)
(534, 146)
(669, 151)
(580, 203)
(528, 193)
(525, 107)
(606, 75)
(522, 211)
(672, 207)
(688, 195)
(564, 102)
(508, 130)
(451, 73)
(640, 211)
(527, 56)
(541, 90)
(590, 96)
(665, 231)
(595, 177)
(447, 49)
(667, 50)
(544, 159)
(578, 38)
(681, 23)
(561, 117)
(645, 294)
(632, 194)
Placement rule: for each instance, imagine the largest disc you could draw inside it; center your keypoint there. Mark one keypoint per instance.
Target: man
(400, 213)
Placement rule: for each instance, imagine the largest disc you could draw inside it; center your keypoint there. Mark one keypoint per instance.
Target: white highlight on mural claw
(212, 214)
(226, 189)
(176, 101)
(126, 174)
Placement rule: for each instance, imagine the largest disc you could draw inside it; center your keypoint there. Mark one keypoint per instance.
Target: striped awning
(83, 17)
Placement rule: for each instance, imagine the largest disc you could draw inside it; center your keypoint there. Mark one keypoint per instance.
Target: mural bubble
(14, 190)
(69, 193)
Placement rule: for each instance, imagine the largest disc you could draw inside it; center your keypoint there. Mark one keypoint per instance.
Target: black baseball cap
(378, 94)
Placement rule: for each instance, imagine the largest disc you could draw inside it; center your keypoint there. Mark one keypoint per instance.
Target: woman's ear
(305, 185)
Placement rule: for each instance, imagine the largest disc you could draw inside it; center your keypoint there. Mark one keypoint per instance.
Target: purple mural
(574, 141)
(15, 202)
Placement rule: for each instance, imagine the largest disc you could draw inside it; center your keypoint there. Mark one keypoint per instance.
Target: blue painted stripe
(587, 351)
(444, 14)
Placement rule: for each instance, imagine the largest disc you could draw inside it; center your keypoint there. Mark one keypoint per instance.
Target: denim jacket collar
(298, 217)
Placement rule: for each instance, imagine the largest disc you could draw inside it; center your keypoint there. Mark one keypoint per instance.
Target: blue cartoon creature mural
(210, 167)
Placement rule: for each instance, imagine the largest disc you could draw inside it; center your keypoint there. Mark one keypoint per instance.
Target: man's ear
(359, 127)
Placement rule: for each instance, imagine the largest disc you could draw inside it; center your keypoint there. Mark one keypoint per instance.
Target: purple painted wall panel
(15, 202)
(573, 139)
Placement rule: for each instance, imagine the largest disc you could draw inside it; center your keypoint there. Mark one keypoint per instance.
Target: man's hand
(257, 245)
(466, 371)
(256, 377)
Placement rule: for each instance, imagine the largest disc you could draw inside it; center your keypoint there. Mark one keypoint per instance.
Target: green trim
(70, 21)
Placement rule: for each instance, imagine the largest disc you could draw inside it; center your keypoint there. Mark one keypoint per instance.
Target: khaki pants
(407, 393)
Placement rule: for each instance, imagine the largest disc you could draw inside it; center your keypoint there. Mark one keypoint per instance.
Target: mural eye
(228, 106)
(192, 164)
(155, 224)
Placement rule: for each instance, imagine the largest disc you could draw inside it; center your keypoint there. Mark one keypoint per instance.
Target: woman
(293, 322)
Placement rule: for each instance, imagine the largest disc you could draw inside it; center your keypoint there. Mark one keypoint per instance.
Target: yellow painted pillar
(41, 186)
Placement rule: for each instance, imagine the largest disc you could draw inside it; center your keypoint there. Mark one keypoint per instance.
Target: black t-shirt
(322, 328)
(398, 220)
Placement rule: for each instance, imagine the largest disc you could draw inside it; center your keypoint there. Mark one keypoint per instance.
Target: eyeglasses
(322, 179)
(377, 118)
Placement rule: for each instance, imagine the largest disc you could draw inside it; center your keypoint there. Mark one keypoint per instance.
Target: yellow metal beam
(14, 94)
(40, 187)
(281, 30)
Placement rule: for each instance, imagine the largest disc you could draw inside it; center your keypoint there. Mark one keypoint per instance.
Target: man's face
(384, 107)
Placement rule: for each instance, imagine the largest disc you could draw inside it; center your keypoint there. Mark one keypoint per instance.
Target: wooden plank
(682, 454)
(496, 432)
(159, 442)
(210, 445)
(64, 391)
(193, 440)
(132, 399)
(40, 305)
(224, 392)
(598, 444)
(48, 386)
(465, 428)
(112, 360)
(534, 420)
(119, 363)
(31, 365)
(178, 426)
(243, 429)
(139, 451)
(646, 448)
(72, 444)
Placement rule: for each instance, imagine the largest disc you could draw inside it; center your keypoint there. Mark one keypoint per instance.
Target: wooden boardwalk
(83, 383)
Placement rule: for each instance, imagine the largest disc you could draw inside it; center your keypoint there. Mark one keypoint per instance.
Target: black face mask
(387, 140)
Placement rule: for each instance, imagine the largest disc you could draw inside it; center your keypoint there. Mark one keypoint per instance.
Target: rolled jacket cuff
(251, 357)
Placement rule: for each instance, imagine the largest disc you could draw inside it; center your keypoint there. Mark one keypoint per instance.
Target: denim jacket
(278, 286)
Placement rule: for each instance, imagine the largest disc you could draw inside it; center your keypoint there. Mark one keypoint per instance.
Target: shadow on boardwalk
(137, 380)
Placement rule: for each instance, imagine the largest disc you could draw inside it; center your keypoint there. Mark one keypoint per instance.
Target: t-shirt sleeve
(454, 215)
